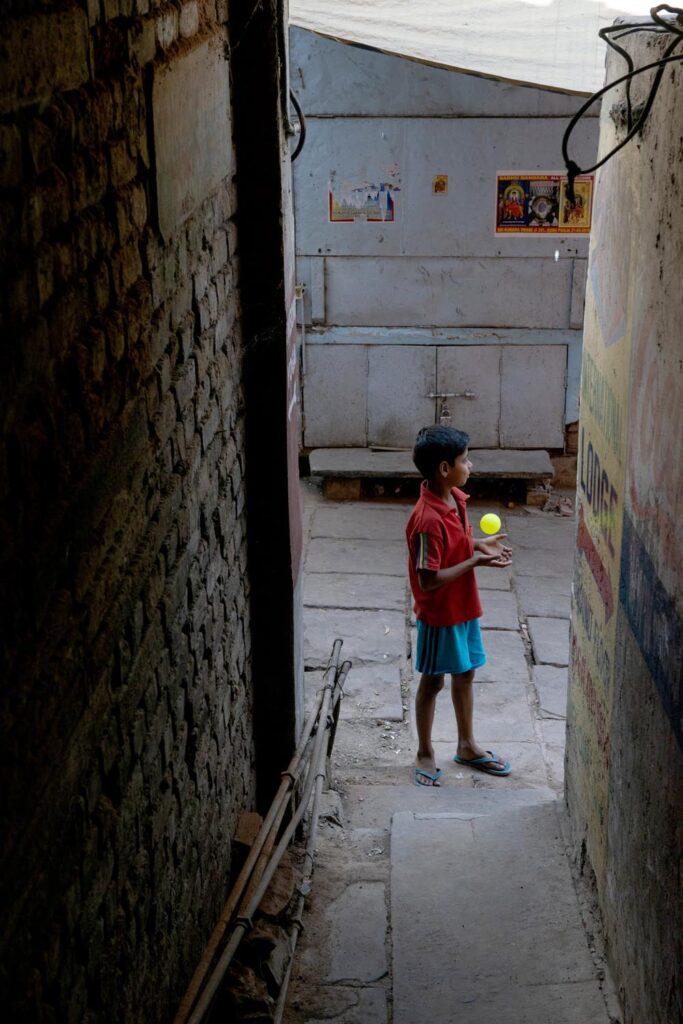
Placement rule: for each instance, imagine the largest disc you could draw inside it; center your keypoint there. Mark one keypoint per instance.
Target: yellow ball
(490, 523)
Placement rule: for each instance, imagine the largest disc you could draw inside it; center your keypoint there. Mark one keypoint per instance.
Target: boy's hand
(493, 552)
(496, 561)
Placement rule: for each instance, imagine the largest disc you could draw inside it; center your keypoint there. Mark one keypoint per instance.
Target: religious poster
(440, 185)
(536, 203)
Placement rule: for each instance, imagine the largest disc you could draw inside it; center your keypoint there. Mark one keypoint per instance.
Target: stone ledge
(344, 468)
(511, 463)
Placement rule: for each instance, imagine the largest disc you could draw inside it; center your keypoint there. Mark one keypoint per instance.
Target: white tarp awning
(549, 43)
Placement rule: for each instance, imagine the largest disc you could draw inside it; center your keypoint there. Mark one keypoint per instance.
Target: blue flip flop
(481, 762)
(428, 775)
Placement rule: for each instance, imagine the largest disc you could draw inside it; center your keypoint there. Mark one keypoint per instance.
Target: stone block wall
(126, 733)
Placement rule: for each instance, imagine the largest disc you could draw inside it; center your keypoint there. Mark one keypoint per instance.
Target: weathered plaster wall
(625, 731)
(438, 268)
(127, 704)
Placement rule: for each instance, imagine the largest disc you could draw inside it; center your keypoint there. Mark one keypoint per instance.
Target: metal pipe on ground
(256, 860)
(257, 889)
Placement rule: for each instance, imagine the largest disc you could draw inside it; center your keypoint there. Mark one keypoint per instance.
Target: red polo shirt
(439, 536)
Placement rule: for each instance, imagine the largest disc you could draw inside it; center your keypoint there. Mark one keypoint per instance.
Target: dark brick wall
(127, 749)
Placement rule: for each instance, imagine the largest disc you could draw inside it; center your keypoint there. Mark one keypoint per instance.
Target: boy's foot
(424, 777)
(488, 762)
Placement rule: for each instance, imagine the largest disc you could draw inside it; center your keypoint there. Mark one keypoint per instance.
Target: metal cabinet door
(399, 381)
(532, 399)
(474, 369)
(335, 396)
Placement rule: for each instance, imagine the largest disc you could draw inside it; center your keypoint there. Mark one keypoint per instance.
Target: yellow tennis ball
(490, 523)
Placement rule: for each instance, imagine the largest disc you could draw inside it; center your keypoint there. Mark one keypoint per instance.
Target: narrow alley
(431, 904)
(240, 236)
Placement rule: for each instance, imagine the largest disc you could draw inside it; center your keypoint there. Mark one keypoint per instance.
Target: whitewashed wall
(395, 295)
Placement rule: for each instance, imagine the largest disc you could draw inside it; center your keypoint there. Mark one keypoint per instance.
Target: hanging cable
(302, 125)
(658, 25)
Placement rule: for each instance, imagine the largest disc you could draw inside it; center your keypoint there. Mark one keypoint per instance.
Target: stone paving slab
(551, 684)
(546, 595)
(554, 732)
(506, 660)
(351, 1006)
(368, 637)
(499, 930)
(493, 579)
(500, 610)
(361, 522)
(357, 934)
(370, 692)
(528, 766)
(556, 562)
(550, 640)
(354, 590)
(540, 531)
(500, 708)
(555, 757)
(370, 803)
(578, 1002)
(375, 803)
(387, 557)
(373, 690)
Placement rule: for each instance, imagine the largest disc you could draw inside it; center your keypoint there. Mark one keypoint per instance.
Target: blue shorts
(449, 649)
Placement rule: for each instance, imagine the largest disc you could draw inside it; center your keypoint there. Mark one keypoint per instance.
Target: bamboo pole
(260, 850)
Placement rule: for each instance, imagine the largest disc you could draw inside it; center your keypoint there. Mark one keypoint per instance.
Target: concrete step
(344, 468)
(484, 916)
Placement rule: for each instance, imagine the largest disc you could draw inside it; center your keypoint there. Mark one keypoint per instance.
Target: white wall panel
(443, 292)
(399, 380)
(475, 368)
(532, 396)
(335, 396)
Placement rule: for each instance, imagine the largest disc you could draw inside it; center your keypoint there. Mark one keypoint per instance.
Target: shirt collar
(438, 504)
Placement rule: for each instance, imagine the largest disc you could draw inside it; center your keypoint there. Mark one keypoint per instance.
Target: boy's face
(457, 474)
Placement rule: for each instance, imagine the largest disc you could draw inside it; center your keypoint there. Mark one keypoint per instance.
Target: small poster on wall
(370, 200)
(536, 203)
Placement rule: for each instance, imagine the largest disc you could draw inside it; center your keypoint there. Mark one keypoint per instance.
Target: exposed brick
(10, 156)
(189, 18)
(32, 67)
(127, 532)
(122, 162)
(167, 28)
(45, 273)
(126, 267)
(40, 145)
(143, 41)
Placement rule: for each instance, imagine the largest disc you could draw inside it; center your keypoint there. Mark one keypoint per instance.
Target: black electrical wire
(660, 26)
(302, 125)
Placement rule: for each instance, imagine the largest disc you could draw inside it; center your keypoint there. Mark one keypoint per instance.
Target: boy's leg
(462, 693)
(425, 705)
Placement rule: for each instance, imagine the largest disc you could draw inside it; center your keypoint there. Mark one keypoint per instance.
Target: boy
(442, 557)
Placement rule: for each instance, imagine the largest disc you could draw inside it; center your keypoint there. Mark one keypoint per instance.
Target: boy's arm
(433, 579)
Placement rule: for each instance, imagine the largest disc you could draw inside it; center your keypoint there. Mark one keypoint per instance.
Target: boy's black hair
(435, 445)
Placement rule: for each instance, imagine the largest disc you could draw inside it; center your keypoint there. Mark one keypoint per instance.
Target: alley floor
(432, 906)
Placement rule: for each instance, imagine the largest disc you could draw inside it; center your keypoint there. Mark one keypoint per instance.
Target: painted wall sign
(531, 202)
(440, 185)
(601, 485)
(370, 200)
